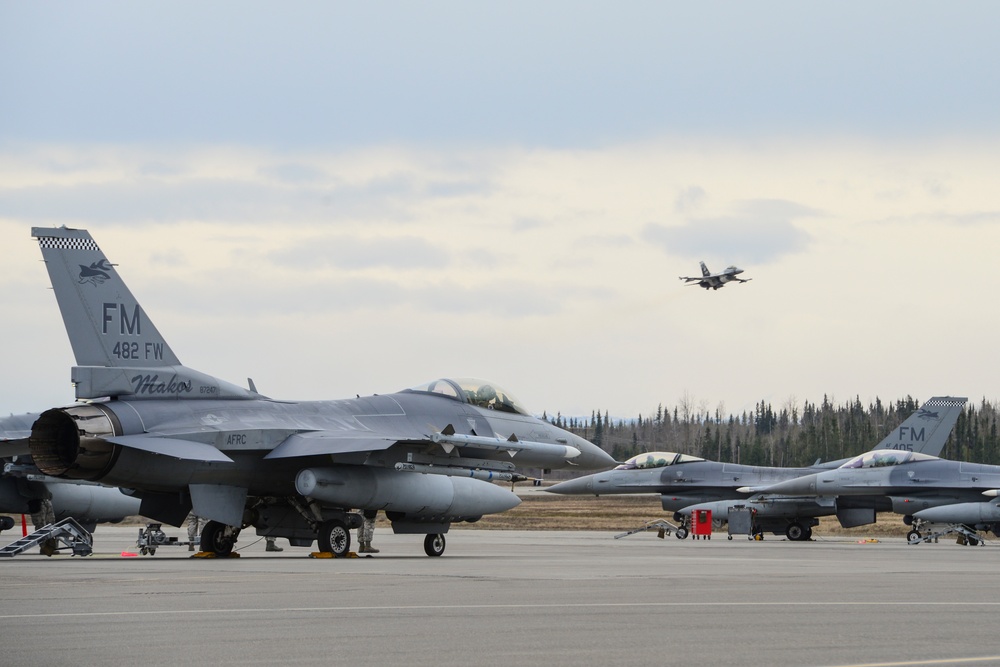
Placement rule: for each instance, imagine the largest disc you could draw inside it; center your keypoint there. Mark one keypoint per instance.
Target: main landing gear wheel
(434, 545)
(796, 532)
(913, 536)
(334, 537)
(681, 533)
(218, 538)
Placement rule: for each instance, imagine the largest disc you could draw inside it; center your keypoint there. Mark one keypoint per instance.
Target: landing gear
(796, 532)
(913, 536)
(334, 537)
(434, 545)
(218, 538)
(681, 533)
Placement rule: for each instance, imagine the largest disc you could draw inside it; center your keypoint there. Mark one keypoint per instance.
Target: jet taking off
(182, 441)
(707, 279)
(688, 483)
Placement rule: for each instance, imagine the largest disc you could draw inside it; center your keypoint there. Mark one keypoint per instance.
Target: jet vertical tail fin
(105, 323)
(704, 270)
(926, 430)
(118, 350)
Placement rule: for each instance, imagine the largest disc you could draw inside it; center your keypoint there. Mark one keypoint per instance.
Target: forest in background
(789, 435)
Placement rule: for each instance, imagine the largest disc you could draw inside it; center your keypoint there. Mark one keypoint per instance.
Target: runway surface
(508, 598)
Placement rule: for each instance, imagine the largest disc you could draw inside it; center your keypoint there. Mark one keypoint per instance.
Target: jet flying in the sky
(183, 441)
(688, 483)
(714, 281)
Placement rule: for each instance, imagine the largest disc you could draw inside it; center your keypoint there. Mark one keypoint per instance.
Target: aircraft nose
(591, 456)
(574, 487)
(805, 485)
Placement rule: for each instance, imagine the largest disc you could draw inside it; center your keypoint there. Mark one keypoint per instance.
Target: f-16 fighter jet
(182, 441)
(688, 483)
(708, 280)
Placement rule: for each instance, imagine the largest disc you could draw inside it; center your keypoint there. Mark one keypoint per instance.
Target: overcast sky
(341, 198)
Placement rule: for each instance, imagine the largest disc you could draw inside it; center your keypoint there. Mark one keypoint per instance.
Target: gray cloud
(352, 253)
(293, 172)
(970, 219)
(761, 235)
(689, 199)
(340, 74)
(298, 193)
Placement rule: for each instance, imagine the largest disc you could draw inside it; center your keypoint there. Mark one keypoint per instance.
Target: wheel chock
(329, 554)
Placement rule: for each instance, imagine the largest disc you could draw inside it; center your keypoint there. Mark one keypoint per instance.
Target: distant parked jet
(707, 279)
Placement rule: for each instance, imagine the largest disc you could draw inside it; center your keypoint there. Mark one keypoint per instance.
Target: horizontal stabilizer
(173, 447)
(319, 443)
(13, 447)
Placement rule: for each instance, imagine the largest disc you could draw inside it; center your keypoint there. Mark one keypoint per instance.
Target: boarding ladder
(936, 531)
(661, 527)
(68, 532)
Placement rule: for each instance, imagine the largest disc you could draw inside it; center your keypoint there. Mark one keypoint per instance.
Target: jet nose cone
(591, 456)
(799, 486)
(574, 487)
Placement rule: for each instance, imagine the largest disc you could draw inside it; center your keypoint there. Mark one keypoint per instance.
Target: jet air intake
(417, 495)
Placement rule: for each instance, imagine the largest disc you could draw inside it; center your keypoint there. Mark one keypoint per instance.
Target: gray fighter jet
(915, 485)
(23, 487)
(183, 441)
(714, 281)
(688, 483)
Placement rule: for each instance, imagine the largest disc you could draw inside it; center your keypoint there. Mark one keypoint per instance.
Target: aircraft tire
(795, 532)
(913, 536)
(434, 545)
(6, 523)
(215, 540)
(681, 533)
(334, 537)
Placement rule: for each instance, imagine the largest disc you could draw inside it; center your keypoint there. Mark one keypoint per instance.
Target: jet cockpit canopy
(480, 393)
(656, 460)
(886, 457)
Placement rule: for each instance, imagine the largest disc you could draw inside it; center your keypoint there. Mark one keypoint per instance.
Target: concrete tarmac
(507, 598)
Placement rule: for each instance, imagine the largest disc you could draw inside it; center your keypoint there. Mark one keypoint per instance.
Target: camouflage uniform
(367, 532)
(41, 518)
(271, 546)
(44, 515)
(195, 524)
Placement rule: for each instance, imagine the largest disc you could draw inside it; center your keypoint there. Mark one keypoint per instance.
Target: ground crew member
(195, 524)
(367, 532)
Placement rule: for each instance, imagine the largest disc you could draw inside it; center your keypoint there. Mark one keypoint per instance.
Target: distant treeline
(786, 436)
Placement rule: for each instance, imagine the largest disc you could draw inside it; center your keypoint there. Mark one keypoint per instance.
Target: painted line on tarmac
(916, 663)
(472, 607)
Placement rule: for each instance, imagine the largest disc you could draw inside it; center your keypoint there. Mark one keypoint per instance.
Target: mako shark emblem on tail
(184, 441)
(96, 273)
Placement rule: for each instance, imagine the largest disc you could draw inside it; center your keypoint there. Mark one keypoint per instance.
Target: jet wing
(173, 447)
(318, 443)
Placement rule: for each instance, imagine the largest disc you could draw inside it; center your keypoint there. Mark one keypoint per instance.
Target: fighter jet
(181, 441)
(688, 483)
(707, 279)
(915, 485)
(23, 487)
